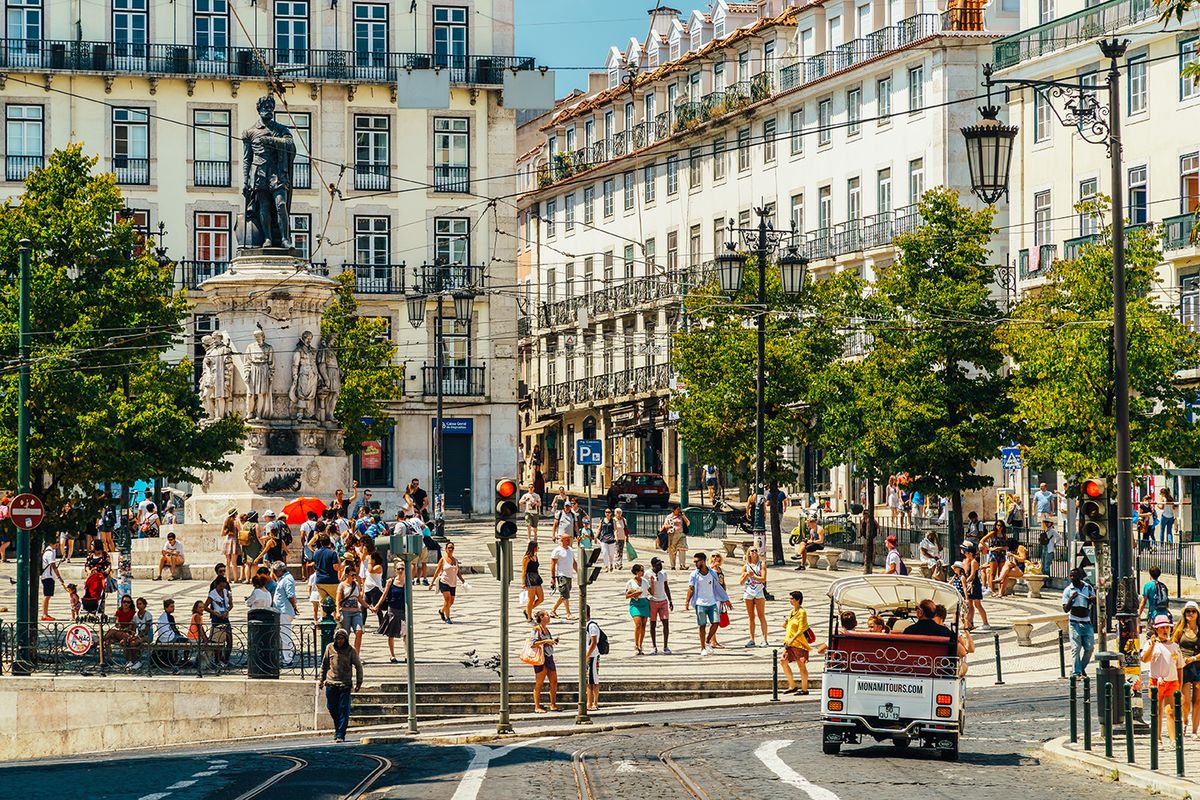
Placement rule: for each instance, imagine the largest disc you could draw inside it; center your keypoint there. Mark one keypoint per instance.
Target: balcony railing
(302, 175)
(211, 173)
(377, 278)
(651, 378)
(134, 171)
(17, 168)
(1060, 34)
(194, 273)
(372, 177)
(244, 62)
(1073, 248)
(458, 380)
(1178, 230)
(433, 278)
(452, 179)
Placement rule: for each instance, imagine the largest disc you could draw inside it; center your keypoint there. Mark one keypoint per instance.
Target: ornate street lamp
(416, 309)
(793, 271)
(731, 265)
(462, 306)
(989, 155)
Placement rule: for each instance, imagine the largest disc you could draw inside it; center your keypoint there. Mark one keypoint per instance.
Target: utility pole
(760, 399)
(581, 715)
(26, 599)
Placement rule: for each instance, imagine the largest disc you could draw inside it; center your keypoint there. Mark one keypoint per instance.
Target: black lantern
(462, 307)
(989, 155)
(793, 269)
(730, 266)
(416, 310)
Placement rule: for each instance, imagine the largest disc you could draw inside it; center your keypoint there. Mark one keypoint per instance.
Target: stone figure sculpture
(305, 378)
(258, 369)
(268, 156)
(330, 387)
(207, 380)
(222, 371)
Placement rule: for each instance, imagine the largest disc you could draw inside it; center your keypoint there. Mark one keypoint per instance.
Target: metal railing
(17, 168)
(651, 378)
(302, 175)
(1178, 231)
(1073, 248)
(241, 62)
(433, 278)
(451, 179)
(135, 171)
(194, 273)
(1082, 26)
(458, 380)
(211, 173)
(372, 177)
(377, 278)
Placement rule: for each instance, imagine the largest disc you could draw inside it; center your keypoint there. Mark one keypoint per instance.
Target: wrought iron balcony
(134, 171)
(211, 173)
(1060, 34)
(372, 177)
(458, 380)
(194, 273)
(17, 168)
(377, 278)
(452, 179)
(434, 278)
(1073, 248)
(302, 175)
(1177, 232)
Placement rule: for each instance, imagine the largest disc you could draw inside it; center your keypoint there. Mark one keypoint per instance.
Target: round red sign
(27, 511)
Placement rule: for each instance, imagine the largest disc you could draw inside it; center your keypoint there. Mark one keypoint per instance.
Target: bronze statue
(268, 155)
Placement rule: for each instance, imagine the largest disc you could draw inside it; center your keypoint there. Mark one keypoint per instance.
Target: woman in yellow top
(796, 645)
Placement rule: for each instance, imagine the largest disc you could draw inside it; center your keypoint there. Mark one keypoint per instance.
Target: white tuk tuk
(891, 685)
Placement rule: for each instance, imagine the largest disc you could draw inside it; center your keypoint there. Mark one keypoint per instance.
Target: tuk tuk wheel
(952, 753)
(901, 742)
(831, 741)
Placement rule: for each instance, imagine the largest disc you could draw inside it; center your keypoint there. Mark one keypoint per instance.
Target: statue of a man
(268, 155)
(222, 374)
(258, 368)
(303, 393)
(207, 380)
(330, 388)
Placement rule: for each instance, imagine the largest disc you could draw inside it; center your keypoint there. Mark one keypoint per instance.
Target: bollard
(1062, 655)
(1178, 734)
(1074, 709)
(774, 676)
(1106, 702)
(999, 669)
(1087, 713)
(1153, 727)
(1128, 722)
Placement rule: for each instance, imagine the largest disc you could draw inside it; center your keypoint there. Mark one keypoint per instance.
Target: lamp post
(793, 269)
(437, 283)
(410, 550)
(989, 156)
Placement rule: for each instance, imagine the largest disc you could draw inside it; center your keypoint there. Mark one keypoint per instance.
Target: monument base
(262, 482)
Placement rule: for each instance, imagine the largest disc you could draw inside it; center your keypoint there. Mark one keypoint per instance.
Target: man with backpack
(597, 645)
(1155, 599)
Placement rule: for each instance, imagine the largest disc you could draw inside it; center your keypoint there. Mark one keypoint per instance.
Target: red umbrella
(296, 511)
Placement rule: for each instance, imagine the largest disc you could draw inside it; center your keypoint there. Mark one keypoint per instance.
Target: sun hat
(269, 515)
(1191, 605)
(958, 565)
(232, 510)
(1162, 621)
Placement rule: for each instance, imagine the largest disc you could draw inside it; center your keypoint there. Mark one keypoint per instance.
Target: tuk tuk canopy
(888, 592)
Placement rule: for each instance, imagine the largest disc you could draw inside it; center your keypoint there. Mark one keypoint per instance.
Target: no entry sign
(27, 511)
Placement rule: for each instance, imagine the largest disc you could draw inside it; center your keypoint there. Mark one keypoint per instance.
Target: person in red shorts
(661, 605)
(1166, 664)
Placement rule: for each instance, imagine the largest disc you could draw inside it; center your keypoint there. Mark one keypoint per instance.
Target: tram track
(382, 766)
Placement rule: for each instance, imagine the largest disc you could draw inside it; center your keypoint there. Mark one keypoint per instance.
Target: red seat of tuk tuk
(896, 653)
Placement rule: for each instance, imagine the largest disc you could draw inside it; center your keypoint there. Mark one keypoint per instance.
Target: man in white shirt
(50, 576)
(562, 571)
(705, 592)
(172, 557)
(167, 632)
(531, 504)
(661, 605)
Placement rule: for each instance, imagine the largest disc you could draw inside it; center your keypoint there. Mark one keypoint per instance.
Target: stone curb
(1057, 750)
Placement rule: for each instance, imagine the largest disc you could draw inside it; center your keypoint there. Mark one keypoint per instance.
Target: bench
(1023, 626)
(830, 556)
(1035, 581)
(731, 546)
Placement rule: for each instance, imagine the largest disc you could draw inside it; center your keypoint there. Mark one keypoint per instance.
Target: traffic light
(590, 572)
(506, 508)
(494, 547)
(1093, 494)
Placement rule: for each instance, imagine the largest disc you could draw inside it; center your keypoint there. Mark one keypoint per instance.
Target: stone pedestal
(266, 302)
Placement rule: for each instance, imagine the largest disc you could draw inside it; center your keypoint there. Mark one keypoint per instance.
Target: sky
(578, 33)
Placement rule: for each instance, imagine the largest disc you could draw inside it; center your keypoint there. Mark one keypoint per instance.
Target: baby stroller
(94, 590)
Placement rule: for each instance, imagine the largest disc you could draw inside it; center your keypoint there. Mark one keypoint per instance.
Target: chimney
(597, 82)
(661, 18)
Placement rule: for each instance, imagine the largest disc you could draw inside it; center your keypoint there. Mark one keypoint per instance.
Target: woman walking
(372, 578)
(637, 592)
(893, 501)
(229, 541)
(350, 602)
(796, 645)
(716, 565)
(974, 586)
(754, 586)
(446, 580)
(1166, 519)
(217, 604)
(531, 580)
(1187, 636)
(621, 534)
(391, 600)
(541, 637)
(608, 541)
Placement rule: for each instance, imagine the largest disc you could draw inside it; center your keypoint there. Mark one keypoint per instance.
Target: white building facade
(161, 91)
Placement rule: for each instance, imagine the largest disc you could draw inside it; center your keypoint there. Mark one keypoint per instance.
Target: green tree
(105, 405)
(1060, 339)
(366, 355)
(930, 396)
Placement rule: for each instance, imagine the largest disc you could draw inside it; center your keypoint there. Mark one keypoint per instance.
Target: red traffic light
(1092, 489)
(506, 487)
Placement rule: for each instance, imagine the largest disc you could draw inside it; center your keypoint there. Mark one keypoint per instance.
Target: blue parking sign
(589, 452)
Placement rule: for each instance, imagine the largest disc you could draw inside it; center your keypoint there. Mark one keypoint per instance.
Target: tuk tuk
(891, 685)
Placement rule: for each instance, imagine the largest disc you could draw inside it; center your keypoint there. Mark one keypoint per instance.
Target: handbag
(630, 553)
(809, 635)
(724, 621)
(524, 596)
(533, 656)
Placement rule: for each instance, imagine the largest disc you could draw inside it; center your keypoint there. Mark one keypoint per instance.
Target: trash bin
(262, 643)
(1109, 672)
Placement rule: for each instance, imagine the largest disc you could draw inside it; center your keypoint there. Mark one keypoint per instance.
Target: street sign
(78, 639)
(1010, 458)
(589, 452)
(27, 511)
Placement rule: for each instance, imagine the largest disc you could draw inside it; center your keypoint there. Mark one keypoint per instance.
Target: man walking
(531, 504)
(50, 576)
(661, 605)
(1155, 598)
(566, 521)
(705, 591)
(341, 668)
(1078, 599)
(562, 571)
(285, 603)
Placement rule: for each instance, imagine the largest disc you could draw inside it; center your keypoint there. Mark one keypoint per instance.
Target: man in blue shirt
(1078, 599)
(325, 568)
(1155, 598)
(285, 603)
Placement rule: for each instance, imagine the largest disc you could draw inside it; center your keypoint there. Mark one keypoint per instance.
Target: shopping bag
(630, 553)
(524, 596)
(533, 656)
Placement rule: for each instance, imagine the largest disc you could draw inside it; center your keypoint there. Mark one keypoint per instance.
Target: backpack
(602, 642)
(285, 533)
(1160, 596)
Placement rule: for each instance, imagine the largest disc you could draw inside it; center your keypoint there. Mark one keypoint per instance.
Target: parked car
(639, 488)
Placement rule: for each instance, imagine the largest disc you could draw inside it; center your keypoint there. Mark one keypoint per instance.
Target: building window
(824, 116)
(589, 275)
(824, 209)
(450, 42)
(609, 258)
(551, 290)
(1189, 183)
(627, 188)
(1042, 123)
(130, 31)
(589, 205)
(1139, 196)
(854, 111)
(672, 251)
(24, 33)
(743, 149)
(883, 100)
(853, 199)
(769, 140)
(1136, 72)
(1043, 224)
(649, 179)
(608, 191)
(372, 147)
(883, 190)
(1088, 224)
(650, 250)
(211, 136)
(302, 134)
(916, 89)
(291, 31)
(672, 175)
(452, 245)
(24, 141)
(1045, 11)
(373, 465)
(569, 280)
(1188, 88)
(694, 178)
(797, 212)
(372, 244)
(131, 145)
(210, 24)
(569, 213)
(627, 259)
(212, 236)
(451, 154)
(302, 234)
(796, 123)
(916, 179)
(718, 158)
(695, 256)
(551, 212)
(370, 35)
(719, 77)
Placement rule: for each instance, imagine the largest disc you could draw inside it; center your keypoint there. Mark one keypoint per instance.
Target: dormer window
(719, 28)
(674, 49)
(696, 39)
(614, 76)
(652, 59)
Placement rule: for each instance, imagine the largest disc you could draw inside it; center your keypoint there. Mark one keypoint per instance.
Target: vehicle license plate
(889, 712)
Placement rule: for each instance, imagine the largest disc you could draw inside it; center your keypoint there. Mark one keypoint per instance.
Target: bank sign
(889, 686)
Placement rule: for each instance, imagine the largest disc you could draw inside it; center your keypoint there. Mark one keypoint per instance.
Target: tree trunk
(956, 523)
(870, 529)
